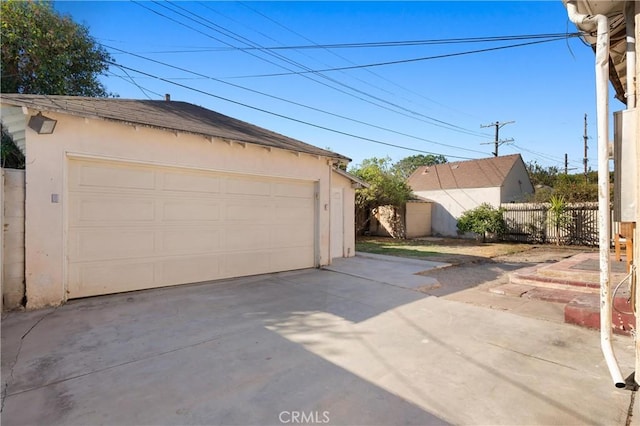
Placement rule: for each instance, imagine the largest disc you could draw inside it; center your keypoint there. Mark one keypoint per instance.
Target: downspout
(630, 24)
(601, 23)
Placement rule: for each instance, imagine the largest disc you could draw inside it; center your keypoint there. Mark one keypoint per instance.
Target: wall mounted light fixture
(41, 124)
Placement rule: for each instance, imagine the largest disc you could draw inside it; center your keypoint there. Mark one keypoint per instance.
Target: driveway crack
(15, 361)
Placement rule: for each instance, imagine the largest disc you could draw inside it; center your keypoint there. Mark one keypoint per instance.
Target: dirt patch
(463, 251)
(473, 264)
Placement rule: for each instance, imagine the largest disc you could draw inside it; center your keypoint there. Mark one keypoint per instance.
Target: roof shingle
(482, 173)
(167, 115)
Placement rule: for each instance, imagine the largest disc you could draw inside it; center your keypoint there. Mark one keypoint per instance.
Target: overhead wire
(358, 93)
(369, 71)
(290, 101)
(340, 132)
(405, 61)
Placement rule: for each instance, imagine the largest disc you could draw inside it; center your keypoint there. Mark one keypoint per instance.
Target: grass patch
(437, 248)
(395, 249)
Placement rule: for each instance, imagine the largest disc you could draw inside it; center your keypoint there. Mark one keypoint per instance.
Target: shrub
(481, 220)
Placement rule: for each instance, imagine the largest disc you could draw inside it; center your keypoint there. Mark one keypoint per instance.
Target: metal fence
(531, 222)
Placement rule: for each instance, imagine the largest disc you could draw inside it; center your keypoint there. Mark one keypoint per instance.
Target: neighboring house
(457, 187)
(133, 194)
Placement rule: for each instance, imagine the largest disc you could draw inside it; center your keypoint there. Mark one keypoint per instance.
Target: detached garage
(129, 194)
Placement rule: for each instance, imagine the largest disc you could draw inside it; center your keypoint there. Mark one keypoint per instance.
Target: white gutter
(601, 22)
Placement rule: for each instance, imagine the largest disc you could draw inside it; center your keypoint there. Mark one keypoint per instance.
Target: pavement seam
(15, 361)
(371, 279)
(630, 410)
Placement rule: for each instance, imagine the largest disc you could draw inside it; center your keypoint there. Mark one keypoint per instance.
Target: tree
(405, 167)
(541, 176)
(482, 220)
(386, 187)
(43, 52)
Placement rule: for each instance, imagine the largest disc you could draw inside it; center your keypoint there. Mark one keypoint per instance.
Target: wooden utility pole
(566, 163)
(497, 142)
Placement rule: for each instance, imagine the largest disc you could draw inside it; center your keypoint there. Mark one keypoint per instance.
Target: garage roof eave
(173, 116)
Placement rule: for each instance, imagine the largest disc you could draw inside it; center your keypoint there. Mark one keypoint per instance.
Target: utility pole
(586, 160)
(497, 142)
(566, 164)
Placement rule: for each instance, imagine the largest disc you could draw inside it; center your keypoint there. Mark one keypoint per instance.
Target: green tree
(10, 155)
(43, 52)
(386, 187)
(405, 167)
(542, 176)
(482, 220)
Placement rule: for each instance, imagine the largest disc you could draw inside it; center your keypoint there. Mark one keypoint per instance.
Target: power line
(381, 44)
(184, 86)
(371, 72)
(405, 61)
(403, 110)
(290, 101)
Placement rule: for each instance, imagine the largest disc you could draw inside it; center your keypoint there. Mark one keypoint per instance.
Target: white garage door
(132, 226)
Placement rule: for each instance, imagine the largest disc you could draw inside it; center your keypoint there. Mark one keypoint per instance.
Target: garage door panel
(291, 236)
(103, 176)
(195, 241)
(293, 190)
(246, 263)
(98, 278)
(291, 258)
(293, 212)
(248, 186)
(250, 237)
(190, 210)
(190, 269)
(111, 209)
(248, 211)
(185, 182)
(134, 226)
(89, 244)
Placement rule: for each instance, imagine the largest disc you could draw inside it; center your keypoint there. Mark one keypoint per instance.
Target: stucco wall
(516, 185)
(13, 214)
(449, 205)
(77, 137)
(418, 219)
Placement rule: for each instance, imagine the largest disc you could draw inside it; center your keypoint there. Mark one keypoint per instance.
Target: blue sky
(435, 106)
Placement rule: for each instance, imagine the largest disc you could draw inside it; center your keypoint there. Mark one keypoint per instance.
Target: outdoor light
(41, 124)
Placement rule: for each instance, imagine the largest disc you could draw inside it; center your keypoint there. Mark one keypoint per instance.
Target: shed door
(133, 227)
(337, 223)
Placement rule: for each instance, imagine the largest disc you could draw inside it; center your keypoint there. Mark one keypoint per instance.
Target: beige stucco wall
(13, 256)
(449, 205)
(76, 137)
(516, 184)
(418, 219)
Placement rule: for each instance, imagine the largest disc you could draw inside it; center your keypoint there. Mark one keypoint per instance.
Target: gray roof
(167, 115)
(482, 173)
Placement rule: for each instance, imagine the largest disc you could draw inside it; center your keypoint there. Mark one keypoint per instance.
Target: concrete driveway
(311, 346)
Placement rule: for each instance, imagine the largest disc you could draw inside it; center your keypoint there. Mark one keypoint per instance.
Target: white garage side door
(132, 227)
